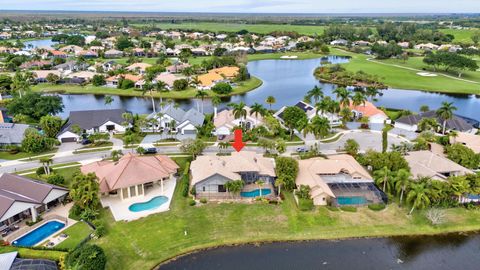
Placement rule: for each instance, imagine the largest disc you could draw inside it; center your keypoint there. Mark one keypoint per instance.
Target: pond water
(433, 252)
(287, 81)
(38, 43)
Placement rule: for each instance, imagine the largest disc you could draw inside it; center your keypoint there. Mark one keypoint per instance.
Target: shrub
(305, 204)
(376, 206)
(55, 179)
(86, 257)
(185, 181)
(348, 208)
(203, 200)
(180, 85)
(333, 209)
(192, 202)
(222, 88)
(41, 171)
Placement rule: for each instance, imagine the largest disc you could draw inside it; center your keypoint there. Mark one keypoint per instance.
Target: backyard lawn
(398, 77)
(76, 234)
(144, 243)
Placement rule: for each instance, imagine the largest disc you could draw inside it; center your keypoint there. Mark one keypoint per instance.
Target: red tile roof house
(22, 198)
(134, 179)
(375, 115)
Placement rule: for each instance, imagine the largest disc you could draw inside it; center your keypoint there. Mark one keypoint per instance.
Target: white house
(224, 121)
(185, 122)
(92, 121)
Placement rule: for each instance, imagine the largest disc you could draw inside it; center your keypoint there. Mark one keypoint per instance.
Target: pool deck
(119, 207)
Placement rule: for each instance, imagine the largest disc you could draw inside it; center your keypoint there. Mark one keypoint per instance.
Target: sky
(251, 6)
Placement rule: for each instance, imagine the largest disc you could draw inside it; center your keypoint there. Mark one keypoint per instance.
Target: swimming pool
(351, 200)
(155, 202)
(255, 193)
(39, 234)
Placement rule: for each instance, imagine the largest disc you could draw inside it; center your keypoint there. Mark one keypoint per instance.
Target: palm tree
(343, 96)
(216, 100)
(316, 93)
(371, 93)
(21, 82)
(382, 177)
(402, 180)
(270, 101)
(323, 106)
(201, 95)
(346, 115)
(459, 186)
(424, 108)
(260, 183)
(279, 183)
(257, 109)
(239, 111)
(223, 146)
(234, 187)
(358, 99)
(418, 196)
(108, 100)
(319, 126)
(195, 81)
(445, 112)
(46, 161)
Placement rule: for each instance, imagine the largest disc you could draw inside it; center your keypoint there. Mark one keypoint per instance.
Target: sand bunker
(289, 57)
(427, 74)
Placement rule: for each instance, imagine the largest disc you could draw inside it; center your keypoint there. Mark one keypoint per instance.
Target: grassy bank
(397, 74)
(144, 243)
(242, 87)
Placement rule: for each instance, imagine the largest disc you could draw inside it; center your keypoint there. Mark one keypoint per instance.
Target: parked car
(151, 150)
(302, 149)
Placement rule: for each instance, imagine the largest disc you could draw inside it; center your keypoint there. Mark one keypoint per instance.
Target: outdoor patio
(120, 208)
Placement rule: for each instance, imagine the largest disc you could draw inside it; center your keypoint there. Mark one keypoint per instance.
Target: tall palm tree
(223, 146)
(343, 96)
(257, 109)
(316, 93)
(402, 180)
(418, 196)
(270, 100)
(371, 93)
(319, 126)
(383, 177)
(21, 82)
(358, 99)
(445, 112)
(201, 95)
(459, 186)
(279, 183)
(260, 185)
(108, 100)
(346, 114)
(239, 111)
(216, 100)
(46, 161)
(323, 105)
(160, 86)
(149, 87)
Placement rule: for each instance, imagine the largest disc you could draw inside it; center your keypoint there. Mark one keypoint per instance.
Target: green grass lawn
(242, 87)
(67, 173)
(461, 35)
(76, 234)
(144, 243)
(397, 77)
(235, 27)
(22, 155)
(35, 254)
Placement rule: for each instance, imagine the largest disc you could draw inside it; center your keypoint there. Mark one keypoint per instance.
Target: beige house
(140, 68)
(132, 175)
(338, 180)
(428, 164)
(224, 121)
(210, 173)
(469, 140)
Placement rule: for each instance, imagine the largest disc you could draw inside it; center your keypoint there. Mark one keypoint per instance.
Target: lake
(426, 252)
(287, 81)
(29, 45)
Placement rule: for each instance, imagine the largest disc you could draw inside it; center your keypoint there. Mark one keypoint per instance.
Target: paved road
(366, 139)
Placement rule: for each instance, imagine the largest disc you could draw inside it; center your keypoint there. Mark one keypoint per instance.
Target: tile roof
(93, 118)
(428, 164)
(456, 123)
(131, 170)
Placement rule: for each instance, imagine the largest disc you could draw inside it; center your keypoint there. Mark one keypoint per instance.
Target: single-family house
(140, 68)
(92, 121)
(471, 141)
(132, 175)
(71, 49)
(410, 122)
(211, 173)
(112, 53)
(41, 75)
(177, 67)
(338, 180)
(428, 164)
(71, 66)
(169, 79)
(113, 81)
(224, 122)
(339, 42)
(367, 109)
(177, 120)
(11, 133)
(24, 198)
(311, 112)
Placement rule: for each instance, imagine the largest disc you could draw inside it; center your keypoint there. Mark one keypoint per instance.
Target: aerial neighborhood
(131, 141)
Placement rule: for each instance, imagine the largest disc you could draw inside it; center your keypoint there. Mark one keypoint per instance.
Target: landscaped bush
(203, 200)
(222, 88)
(333, 209)
(86, 257)
(192, 202)
(100, 229)
(376, 206)
(55, 179)
(185, 181)
(348, 209)
(305, 204)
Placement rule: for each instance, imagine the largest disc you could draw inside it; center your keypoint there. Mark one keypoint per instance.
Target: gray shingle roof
(456, 123)
(195, 117)
(18, 188)
(12, 133)
(93, 118)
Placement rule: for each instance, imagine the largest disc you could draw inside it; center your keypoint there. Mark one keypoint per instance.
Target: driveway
(366, 139)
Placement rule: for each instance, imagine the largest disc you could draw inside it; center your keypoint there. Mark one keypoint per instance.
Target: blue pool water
(351, 200)
(255, 193)
(155, 202)
(36, 236)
